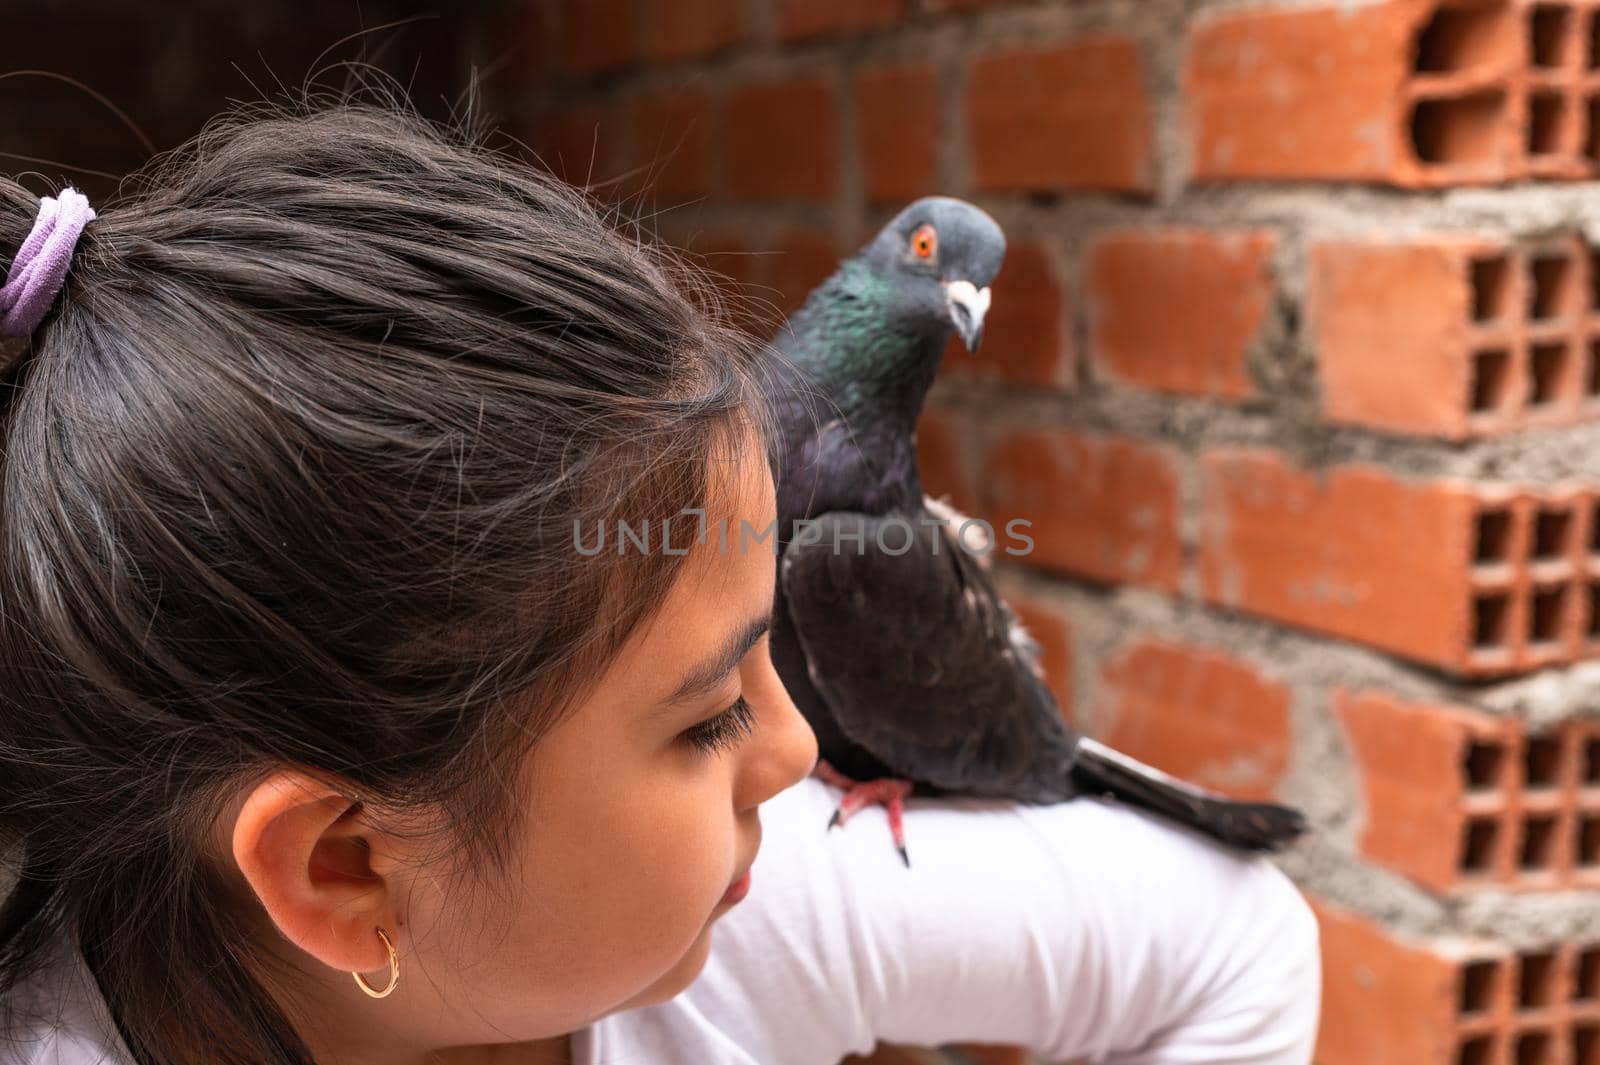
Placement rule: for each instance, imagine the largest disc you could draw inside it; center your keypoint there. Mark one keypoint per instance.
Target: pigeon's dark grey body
(847, 447)
(899, 650)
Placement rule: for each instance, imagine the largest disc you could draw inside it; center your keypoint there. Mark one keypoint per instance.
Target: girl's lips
(738, 890)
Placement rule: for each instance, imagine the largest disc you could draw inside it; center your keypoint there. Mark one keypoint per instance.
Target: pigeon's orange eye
(925, 242)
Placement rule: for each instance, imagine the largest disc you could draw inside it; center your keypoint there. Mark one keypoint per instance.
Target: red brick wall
(1294, 363)
(169, 67)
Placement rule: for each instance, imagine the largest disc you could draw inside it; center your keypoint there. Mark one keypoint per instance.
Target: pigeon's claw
(891, 792)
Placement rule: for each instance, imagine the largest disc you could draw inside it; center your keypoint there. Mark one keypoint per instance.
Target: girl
(325, 736)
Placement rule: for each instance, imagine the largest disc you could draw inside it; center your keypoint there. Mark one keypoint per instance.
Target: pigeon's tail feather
(1251, 826)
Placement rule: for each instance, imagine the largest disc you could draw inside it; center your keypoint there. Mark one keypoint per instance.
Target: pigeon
(888, 631)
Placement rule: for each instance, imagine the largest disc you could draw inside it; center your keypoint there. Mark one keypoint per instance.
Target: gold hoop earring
(394, 970)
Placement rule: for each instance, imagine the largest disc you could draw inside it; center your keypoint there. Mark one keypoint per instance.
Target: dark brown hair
(290, 478)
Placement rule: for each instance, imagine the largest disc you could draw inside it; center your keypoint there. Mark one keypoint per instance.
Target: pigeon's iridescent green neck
(860, 351)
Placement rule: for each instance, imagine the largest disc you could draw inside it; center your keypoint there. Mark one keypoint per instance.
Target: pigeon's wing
(919, 659)
(976, 535)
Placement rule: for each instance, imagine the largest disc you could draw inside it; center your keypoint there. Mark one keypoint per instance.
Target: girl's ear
(302, 849)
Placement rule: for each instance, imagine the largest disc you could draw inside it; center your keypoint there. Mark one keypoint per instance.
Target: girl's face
(634, 833)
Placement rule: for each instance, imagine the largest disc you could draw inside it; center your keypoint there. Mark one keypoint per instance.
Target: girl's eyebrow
(708, 674)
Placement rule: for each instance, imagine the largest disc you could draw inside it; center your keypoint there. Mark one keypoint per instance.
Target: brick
(672, 134)
(1394, 999)
(688, 29)
(1504, 93)
(1457, 799)
(1497, 338)
(728, 252)
(1198, 714)
(802, 260)
(579, 143)
(1075, 116)
(109, 50)
(1409, 92)
(946, 458)
(1535, 579)
(1103, 507)
(234, 49)
(1307, 93)
(770, 282)
(1481, 579)
(734, 272)
(1178, 310)
(61, 140)
(1388, 1000)
(596, 35)
(1051, 626)
(1415, 764)
(897, 129)
(523, 37)
(800, 19)
(783, 140)
(1025, 341)
(1366, 302)
(1356, 554)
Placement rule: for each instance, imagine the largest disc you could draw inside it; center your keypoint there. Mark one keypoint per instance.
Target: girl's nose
(783, 750)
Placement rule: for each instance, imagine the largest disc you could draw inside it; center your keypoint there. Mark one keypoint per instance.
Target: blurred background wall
(170, 66)
(1294, 363)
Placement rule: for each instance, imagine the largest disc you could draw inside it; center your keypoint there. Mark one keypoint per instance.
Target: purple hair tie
(41, 263)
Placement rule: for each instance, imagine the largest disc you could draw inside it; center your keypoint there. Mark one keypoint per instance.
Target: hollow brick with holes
(1458, 800)
(1490, 337)
(1417, 766)
(1481, 579)
(1390, 999)
(1353, 551)
(1409, 92)
(1535, 577)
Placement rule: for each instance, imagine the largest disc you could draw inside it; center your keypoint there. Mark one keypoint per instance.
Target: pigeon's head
(941, 253)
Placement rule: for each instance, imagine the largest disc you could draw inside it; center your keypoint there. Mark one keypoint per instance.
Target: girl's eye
(725, 730)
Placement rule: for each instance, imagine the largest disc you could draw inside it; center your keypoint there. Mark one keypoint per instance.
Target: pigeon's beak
(968, 305)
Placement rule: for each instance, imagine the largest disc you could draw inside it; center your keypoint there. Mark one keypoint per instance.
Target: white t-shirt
(1081, 930)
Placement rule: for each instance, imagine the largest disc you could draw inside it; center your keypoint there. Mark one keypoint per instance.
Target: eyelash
(724, 730)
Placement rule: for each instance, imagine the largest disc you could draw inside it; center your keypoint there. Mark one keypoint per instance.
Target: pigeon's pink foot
(889, 791)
